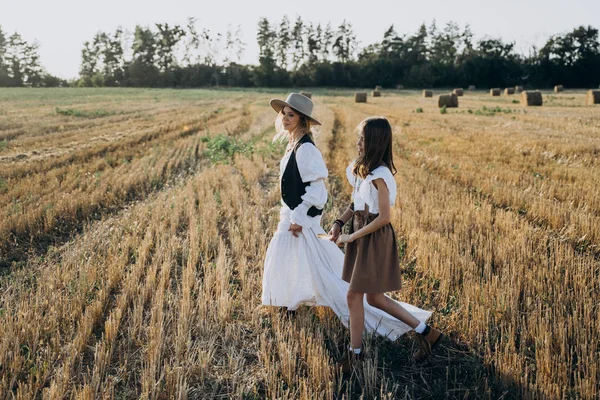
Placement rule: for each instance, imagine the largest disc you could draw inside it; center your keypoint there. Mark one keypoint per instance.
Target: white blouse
(312, 169)
(366, 193)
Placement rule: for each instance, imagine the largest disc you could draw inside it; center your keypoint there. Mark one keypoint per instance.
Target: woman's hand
(295, 228)
(335, 232)
(345, 239)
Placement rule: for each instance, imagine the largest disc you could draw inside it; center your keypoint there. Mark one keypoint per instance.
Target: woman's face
(290, 120)
(360, 144)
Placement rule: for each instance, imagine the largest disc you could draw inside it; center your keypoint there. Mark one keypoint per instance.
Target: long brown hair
(377, 133)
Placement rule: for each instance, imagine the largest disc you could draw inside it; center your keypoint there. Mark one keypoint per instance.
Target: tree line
(20, 63)
(301, 53)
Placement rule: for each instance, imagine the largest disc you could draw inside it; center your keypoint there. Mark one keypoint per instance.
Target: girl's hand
(295, 228)
(345, 239)
(335, 232)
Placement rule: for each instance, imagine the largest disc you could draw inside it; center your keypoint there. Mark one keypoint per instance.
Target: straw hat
(298, 102)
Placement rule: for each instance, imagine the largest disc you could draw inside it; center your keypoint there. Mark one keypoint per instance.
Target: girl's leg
(429, 337)
(379, 300)
(357, 317)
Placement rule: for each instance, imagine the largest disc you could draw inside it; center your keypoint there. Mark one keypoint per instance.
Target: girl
(300, 268)
(371, 264)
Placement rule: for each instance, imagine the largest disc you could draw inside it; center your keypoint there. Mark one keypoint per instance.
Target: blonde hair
(281, 134)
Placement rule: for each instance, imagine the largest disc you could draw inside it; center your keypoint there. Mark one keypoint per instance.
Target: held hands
(295, 228)
(335, 232)
(345, 239)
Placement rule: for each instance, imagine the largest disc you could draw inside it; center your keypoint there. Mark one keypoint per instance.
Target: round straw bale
(307, 94)
(376, 93)
(378, 87)
(427, 93)
(531, 98)
(360, 97)
(449, 100)
(558, 88)
(471, 88)
(458, 91)
(495, 92)
(509, 90)
(592, 97)
(399, 87)
(518, 89)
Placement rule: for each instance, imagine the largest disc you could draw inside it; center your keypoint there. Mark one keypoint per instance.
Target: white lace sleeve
(316, 195)
(310, 163)
(312, 169)
(350, 175)
(368, 191)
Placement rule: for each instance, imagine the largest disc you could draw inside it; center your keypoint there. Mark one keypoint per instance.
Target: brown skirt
(371, 262)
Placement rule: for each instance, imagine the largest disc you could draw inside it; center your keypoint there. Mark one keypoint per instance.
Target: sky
(62, 26)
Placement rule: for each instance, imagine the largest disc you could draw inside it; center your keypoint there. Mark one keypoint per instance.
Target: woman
(300, 268)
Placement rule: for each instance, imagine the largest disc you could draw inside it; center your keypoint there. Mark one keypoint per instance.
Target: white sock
(356, 350)
(420, 328)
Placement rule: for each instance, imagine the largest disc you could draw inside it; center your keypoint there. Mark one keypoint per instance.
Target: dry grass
(132, 250)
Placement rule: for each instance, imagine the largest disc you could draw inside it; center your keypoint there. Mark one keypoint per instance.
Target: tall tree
(284, 38)
(111, 49)
(90, 61)
(392, 44)
(444, 44)
(313, 45)
(192, 43)
(266, 41)
(299, 53)
(234, 47)
(143, 70)
(4, 78)
(265, 73)
(144, 46)
(345, 44)
(33, 70)
(326, 42)
(166, 41)
(23, 62)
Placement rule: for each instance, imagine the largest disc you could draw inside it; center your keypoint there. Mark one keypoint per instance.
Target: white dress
(307, 270)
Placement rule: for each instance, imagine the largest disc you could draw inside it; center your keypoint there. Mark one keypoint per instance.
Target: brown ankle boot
(350, 361)
(428, 340)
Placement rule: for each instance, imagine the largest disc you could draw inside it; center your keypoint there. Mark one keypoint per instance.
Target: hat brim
(278, 105)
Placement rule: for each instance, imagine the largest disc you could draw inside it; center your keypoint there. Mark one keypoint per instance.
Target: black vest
(292, 187)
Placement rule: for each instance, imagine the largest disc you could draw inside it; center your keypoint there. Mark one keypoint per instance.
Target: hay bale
(427, 93)
(495, 92)
(458, 91)
(530, 98)
(360, 97)
(518, 89)
(471, 88)
(376, 93)
(448, 100)
(592, 97)
(378, 88)
(307, 94)
(509, 90)
(400, 87)
(558, 88)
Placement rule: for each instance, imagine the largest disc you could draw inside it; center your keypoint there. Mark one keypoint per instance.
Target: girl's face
(290, 120)
(360, 144)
